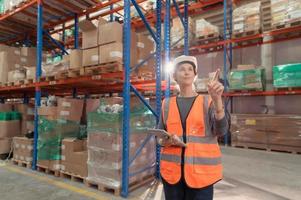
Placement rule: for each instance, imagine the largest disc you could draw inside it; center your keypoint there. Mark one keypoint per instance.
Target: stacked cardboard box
(55, 124)
(9, 126)
(27, 117)
(247, 17)
(177, 31)
(145, 46)
(288, 75)
(105, 142)
(74, 156)
(203, 28)
(247, 79)
(15, 62)
(278, 132)
(23, 148)
(285, 11)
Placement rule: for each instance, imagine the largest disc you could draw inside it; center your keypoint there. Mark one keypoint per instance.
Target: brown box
(89, 34)
(71, 145)
(113, 52)
(10, 128)
(5, 145)
(145, 46)
(90, 57)
(81, 170)
(51, 164)
(6, 107)
(245, 67)
(3, 66)
(23, 148)
(76, 58)
(70, 109)
(31, 73)
(28, 51)
(48, 111)
(110, 32)
(25, 109)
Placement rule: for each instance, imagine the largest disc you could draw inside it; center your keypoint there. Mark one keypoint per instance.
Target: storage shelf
(264, 93)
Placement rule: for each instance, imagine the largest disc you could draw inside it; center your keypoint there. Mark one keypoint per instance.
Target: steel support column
(38, 75)
(225, 58)
(126, 98)
(76, 38)
(167, 46)
(186, 31)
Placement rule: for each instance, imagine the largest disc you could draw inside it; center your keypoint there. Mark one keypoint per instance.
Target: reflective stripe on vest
(202, 162)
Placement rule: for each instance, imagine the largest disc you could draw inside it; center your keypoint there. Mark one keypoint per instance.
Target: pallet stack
(23, 151)
(105, 144)
(269, 132)
(247, 19)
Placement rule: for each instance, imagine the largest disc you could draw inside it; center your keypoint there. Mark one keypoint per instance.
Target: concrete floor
(249, 175)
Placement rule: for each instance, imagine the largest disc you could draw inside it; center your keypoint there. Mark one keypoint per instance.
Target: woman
(189, 173)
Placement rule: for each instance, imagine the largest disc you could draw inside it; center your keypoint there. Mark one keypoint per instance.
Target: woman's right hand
(173, 140)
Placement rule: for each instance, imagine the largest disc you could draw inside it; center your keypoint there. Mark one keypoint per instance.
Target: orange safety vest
(202, 158)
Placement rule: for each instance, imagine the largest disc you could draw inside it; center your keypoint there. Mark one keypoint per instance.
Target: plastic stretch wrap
(247, 17)
(252, 79)
(288, 75)
(51, 134)
(268, 130)
(105, 143)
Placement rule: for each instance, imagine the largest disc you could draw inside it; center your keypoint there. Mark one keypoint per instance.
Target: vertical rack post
(225, 58)
(167, 46)
(76, 46)
(158, 78)
(63, 37)
(126, 98)
(186, 31)
(38, 75)
(112, 14)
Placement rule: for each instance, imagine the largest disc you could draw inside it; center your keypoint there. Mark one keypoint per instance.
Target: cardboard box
(145, 46)
(89, 34)
(51, 164)
(25, 109)
(49, 112)
(113, 52)
(6, 107)
(31, 73)
(5, 145)
(70, 145)
(90, 57)
(81, 170)
(23, 148)
(110, 32)
(245, 67)
(76, 58)
(70, 109)
(3, 66)
(10, 128)
(28, 51)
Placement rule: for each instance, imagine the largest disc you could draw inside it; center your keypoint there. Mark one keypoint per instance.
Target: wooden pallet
(214, 37)
(267, 147)
(19, 82)
(22, 163)
(245, 34)
(287, 24)
(70, 73)
(247, 90)
(287, 88)
(10, 84)
(29, 81)
(116, 190)
(46, 170)
(47, 78)
(103, 68)
(72, 176)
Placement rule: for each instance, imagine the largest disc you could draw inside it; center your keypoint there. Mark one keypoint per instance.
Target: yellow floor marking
(56, 183)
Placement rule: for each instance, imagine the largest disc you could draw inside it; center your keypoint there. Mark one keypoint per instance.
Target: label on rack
(23, 146)
(117, 54)
(250, 122)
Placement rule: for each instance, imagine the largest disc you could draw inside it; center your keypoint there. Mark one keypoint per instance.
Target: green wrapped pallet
(288, 75)
(1, 7)
(51, 134)
(251, 79)
(15, 116)
(5, 116)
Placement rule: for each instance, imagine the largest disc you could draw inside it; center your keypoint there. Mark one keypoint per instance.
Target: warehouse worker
(188, 173)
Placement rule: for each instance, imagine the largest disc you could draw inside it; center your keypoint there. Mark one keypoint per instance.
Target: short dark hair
(189, 62)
